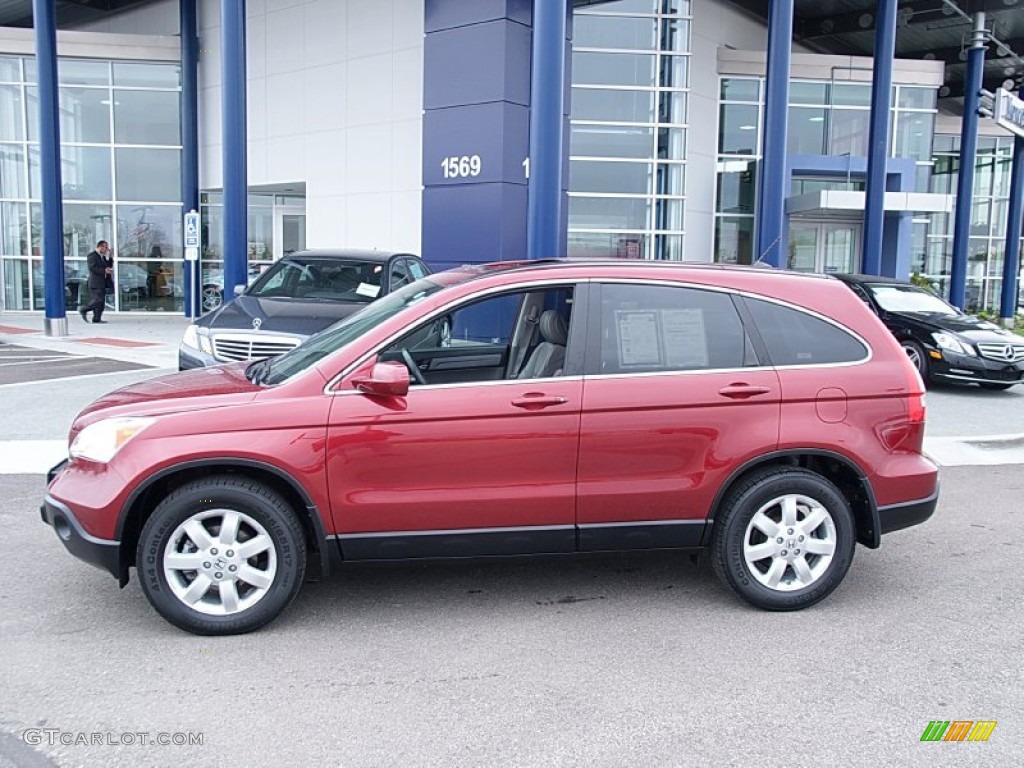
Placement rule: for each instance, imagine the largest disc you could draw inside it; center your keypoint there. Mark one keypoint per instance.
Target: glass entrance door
(290, 230)
(828, 246)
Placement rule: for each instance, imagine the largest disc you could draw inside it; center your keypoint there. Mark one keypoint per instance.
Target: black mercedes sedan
(297, 296)
(943, 342)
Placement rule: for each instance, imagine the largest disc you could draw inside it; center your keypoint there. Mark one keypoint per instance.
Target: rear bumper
(895, 517)
(101, 553)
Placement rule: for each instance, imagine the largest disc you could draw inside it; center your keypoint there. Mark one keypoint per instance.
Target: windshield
(910, 298)
(330, 340)
(321, 278)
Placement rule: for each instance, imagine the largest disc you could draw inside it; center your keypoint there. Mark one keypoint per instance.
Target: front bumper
(954, 367)
(102, 553)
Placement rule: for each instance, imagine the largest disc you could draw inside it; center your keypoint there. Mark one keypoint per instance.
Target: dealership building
(465, 131)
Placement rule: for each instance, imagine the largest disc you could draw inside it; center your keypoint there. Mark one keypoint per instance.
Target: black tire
(733, 528)
(281, 562)
(996, 387)
(917, 356)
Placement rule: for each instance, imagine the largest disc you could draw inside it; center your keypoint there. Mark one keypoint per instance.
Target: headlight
(196, 338)
(951, 343)
(101, 441)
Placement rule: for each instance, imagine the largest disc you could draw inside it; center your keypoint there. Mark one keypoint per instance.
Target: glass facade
(630, 82)
(932, 256)
(121, 181)
(825, 118)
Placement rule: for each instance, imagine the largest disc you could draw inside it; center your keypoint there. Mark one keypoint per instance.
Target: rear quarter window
(794, 337)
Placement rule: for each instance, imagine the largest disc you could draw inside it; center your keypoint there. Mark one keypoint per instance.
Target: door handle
(743, 391)
(537, 400)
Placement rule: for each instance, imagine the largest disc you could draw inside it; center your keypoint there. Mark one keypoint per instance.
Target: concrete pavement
(966, 426)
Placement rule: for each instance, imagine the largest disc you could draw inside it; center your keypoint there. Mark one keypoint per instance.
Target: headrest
(553, 327)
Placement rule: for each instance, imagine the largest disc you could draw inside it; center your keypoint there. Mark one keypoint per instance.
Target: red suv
(510, 409)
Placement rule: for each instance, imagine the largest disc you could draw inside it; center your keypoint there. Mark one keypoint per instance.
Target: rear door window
(663, 328)
(795, 337)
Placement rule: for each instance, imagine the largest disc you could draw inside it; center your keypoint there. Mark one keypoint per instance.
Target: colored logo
(958, 730)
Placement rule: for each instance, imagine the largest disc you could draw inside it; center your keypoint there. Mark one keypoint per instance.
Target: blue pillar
(1011, 265)
(878, 137)
(45, 22)
(189, 129)
(476, 126)
(545, 236)
(771, 202)
(968, 157)
(236, 184)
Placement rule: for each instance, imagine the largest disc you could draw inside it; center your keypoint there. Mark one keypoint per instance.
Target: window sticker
(684, 338)
(365, 289)
(639, 342)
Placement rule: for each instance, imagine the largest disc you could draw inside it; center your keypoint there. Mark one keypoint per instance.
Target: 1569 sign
(461, 166)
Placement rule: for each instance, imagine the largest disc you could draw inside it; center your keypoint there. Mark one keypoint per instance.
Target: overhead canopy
(926, 29)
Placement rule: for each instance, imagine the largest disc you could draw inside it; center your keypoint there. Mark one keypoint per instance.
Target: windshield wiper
(258, 372)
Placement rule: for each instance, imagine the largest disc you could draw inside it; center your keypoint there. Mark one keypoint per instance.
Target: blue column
(236, 183)
(545, 236)
(968, 156)
(772, 199)
(878, 137)
(45, 22)
(189, 128)
(476, 126)
(1011, 265)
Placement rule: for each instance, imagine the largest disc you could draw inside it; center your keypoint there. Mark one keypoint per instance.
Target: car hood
(292, 316)
(969, 326)
(194, 390)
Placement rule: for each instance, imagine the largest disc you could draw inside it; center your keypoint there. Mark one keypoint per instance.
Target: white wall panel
(324, 39)
(368, 92)
(369, 27)
(285, 29)
(324, 97)
(286, 105)
(368, 221)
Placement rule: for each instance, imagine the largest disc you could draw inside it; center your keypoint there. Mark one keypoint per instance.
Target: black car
(299, 295)
(943, 342)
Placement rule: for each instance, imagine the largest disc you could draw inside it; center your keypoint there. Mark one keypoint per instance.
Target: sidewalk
(150, 339)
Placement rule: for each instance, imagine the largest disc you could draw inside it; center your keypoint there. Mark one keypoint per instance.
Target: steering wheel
(414, 370)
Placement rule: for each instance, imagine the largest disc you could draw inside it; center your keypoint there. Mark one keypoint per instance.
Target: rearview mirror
(385, 379)
(239, 289)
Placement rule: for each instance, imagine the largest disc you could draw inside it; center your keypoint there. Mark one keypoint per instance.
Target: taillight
(907, 433)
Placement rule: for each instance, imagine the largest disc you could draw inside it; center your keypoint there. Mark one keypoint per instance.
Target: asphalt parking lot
(626, 660)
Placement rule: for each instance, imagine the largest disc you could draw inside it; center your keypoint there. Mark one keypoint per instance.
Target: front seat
(549, 356)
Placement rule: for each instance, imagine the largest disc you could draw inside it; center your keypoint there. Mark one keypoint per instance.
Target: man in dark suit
(100, 271)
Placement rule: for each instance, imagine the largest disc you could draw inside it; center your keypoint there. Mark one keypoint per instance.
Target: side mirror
(239, 289)
(385, 379)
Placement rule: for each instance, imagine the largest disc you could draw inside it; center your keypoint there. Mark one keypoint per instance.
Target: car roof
(473, 271)
(375, 257)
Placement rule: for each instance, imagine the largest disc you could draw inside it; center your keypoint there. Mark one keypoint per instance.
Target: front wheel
(784, 539)
(916, 354)
(221, 556)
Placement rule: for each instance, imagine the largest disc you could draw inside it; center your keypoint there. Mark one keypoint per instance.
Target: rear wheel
(784, 539)
(917, 356)
(221, 556)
